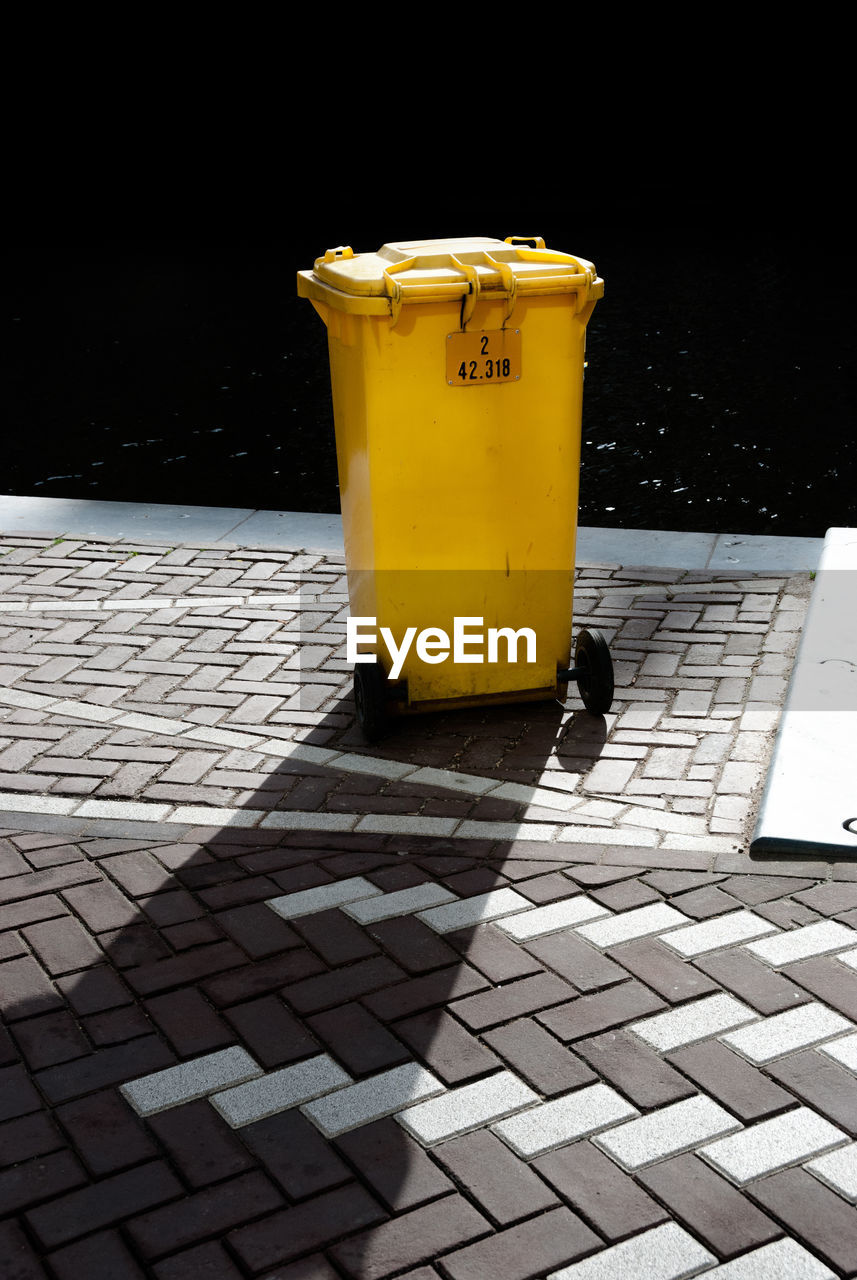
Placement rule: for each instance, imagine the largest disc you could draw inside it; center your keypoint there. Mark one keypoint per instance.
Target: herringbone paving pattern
(504, 997)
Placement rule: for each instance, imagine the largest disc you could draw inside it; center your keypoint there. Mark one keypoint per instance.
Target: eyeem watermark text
(433, 644)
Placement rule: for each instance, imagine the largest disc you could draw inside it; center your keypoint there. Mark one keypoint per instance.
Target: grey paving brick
(402, 903)
(839, 1170)
(551, 918)
(468, 1107)
(293, 905)
(666, 1132)
(279, 1090)
(781, 1260)
(189, 1080)
(784, 1140)
(555, 1123)
(695, 1021)
(472, 911)
(797, 944)
(785, 1032)
(631, 924)
(722, 931)
(371, 1099)
(667, 1252)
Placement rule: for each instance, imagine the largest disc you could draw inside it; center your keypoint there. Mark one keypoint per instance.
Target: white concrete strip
(666, 1132)
(279, 1090)
(563, 1120)
(371, 1099)
(667, 1252)
(774, 1144)
(466, 1108)
(175, 1085)
(782, 1260)
(783, 1033)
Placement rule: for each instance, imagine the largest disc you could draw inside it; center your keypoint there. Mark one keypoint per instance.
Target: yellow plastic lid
(434, 270)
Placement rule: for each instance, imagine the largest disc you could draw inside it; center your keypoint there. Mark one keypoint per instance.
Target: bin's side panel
(462, 502)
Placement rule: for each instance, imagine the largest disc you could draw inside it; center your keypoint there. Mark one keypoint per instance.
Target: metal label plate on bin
(483, 356)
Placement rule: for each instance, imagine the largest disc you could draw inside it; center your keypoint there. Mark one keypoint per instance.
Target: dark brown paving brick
(19, 1259)
(512, 1000)
(753, 890)
(17, 1095)
(257, 929)
(163, 974)
(104, 1203)
(830, 980)
(547, 888)
(95, 990)
(101, 906)
(25, 989)
(357, 1039)
(822, 1220)
(112, 1065)
(532, 1052)
(412, 944)
(504, 1187)
(662, 970)
(294, 1153)
(526, 1250)
(138, 873)
(831, 899)
(114, 1026)
(598, 1188)
(731, 1080)
(577, 962)
(396, 1168)
(635, 1069)
(822, 1083)
(189, 1022)
(200, 1143)
(283, 1236)
(206, 1213)
(709, 1205)
(445, 1046)
(100, 1257)
(250, 980)
(425, 992)
(133, 945)
(51, 1038)
(786, 913)
(202, 1262)
(751, 980)
(587, 1015)
(624, 895)
(30, 1135)
(327, 990)
(39, 1179)
(105, 1132)
(492, 953)
(271, 1032)
(334, 937)
(703, 903)
(414, 1237)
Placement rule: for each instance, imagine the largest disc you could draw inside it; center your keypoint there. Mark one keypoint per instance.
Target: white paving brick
(397, 824)
(189, 1080)
(695, 1021)
(468, 1107)
(371, 1099)
(844, 1051)
(129, 810)
(782, 1260)
(667, 1132)
(279, 1090)
(401, 903)
(785, 1032)
(292, 905)
(632, 924)
(773, 1144)
(552, 917)
(452, 781)
(721, 931)
(839, 1170)
(555, 1123)
(475, 910)
(798, 944)
(667, 1252)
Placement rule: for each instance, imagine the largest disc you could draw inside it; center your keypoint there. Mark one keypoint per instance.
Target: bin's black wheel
(592, 656)
(370, 699)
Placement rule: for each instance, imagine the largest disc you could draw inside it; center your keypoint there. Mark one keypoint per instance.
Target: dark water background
(719, 395)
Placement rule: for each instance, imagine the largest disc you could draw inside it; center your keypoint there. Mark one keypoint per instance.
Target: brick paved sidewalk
(503, 998)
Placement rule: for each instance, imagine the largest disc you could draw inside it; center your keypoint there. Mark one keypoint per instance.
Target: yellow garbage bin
(457, 378)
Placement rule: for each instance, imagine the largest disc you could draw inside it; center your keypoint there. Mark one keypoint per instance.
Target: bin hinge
(471, 297)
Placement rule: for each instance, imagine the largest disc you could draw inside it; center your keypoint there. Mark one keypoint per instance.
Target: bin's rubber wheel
(370, 700)
(596, 686)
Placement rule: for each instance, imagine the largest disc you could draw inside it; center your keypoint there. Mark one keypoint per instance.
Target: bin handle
(471, 297)
(535, 242)
(394, 287)
(341, 252)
